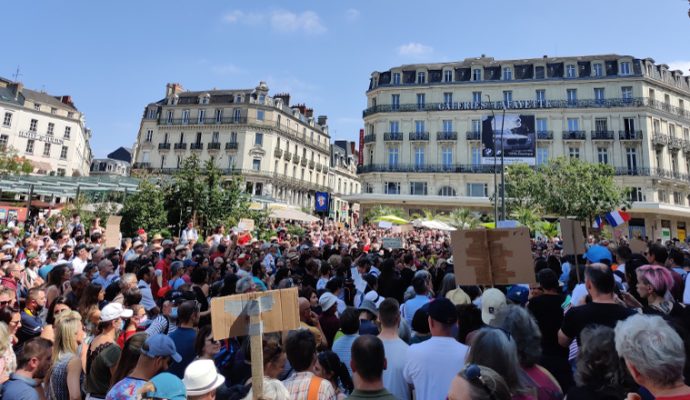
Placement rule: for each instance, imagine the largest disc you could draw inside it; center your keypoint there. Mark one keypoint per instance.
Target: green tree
(381, 210)
(12, 164)
(463, 218)
(548, 229)
(527, 216)
(523, 187)
(144, 209)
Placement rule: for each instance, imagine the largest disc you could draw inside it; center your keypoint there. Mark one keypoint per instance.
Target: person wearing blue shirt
(349, 324)
(177, 270)
(185, 336)
(33, 363)
(106, 273)
(408, 308)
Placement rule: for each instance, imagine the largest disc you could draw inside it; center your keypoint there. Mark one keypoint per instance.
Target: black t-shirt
(607, 314)
(548, 312)
(588, 393)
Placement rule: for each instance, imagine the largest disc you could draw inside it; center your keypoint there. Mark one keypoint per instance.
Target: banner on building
(512, 135)
(360, 156)
(321, 200)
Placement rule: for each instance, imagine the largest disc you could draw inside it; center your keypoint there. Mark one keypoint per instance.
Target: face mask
(143, 322)
(122, 325)
(173, 312)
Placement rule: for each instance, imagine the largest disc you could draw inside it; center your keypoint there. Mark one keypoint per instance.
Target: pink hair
(658, 277)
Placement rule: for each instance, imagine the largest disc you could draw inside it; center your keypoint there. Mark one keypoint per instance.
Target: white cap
(114, 311)
(492, 299)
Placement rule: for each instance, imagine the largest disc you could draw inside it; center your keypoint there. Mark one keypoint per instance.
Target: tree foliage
(12, 164)
(463, 218)
(381, 210)
(144, 209)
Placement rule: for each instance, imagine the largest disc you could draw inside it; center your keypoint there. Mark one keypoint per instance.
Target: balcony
(602, 135)
(370, 138)
(163, 146)
(473, 135)
(545, 135)
(288, 156)
(446, 136)
(427, 168)
(675, 144)
(392, 137)
(318, 167)
(196, 146)
(296, 159)
(312, 164)
(141, 165)
(660, 140)
(180, 146)
(213, 146)
(418, 136)
(574, 135)
(303, 162)
(629, 135)
(277, 153)
(204, 121)
(231, 146)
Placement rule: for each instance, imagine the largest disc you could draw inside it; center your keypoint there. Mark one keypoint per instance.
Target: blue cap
(167, 386)
(518, 294)
(597, 253)
(160, 345)
(190, 263)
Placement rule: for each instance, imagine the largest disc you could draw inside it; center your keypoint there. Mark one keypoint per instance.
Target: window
(542, 155)
(68, 132)
(151, 113)
(233, 138)
(447, 76)
(574, 152)
(477, 190)
(421, 77)
(540, 96)
(63, 152)
(61, 172)
(447, 125)
(603, 155)
(170, 116)
(419, 156)
(507, 98)
(570, 71)
(149, 136)
(259, 139)
(476, 155)
(448, 99)
(419, 126)
(476, 125)
(477, 98)
(598, 70)
(635, 194)
(600, 125)
(46, 149)
(185, 116)
(421, 100)
(656, 124)
(33, 125)
(418, 188)
(446, 191)
(629, 125)
(4, 139)
(51, 129)
(507, 74)
(219, 115)
(599, 95)
(30, 146)
(573, 124)
(396, 78)
(260, 115)
(539, 72)
(37, 107)
(571, 95)
(237, 115)
(626, 92)
(392, 187)
(663, 196)
(7, 121)
(447, 156)
(215, 136)
(393, 156)
(70, 114)
(202, 116)
(394, 126)
(477, 74)
(198, 139)
(256, 164)
(232, 161)
(625, 68)
(395, 102)
(542, 125)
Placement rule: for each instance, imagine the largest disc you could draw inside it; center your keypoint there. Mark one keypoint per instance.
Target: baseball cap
(327, 300)
(180, 247)
(518, 294)
(141, 231)
(138, 243)
(175, 266)
(189, 263)
(242, 258)
(167, 242)
(31, 255)
(492, 299)
(167, 386)
(113, 311)
(597, 253)
(442, 310)
(160, 345)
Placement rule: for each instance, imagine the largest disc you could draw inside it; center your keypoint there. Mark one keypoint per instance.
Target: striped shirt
(298, 386)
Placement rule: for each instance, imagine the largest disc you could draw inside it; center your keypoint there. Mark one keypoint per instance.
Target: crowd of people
(79, 320)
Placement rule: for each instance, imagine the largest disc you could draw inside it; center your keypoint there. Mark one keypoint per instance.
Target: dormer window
(507, 74)
(477, 74)
(447, 76)
(421, 77)
(570, 71)
(598, 70)
(238, 99)
(396, 78)
(625, 68)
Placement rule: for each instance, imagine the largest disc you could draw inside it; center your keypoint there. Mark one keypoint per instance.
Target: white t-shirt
(432, 365)
(396, 357)
(78, 265)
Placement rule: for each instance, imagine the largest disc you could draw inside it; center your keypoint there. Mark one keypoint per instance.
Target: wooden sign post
(254, 314)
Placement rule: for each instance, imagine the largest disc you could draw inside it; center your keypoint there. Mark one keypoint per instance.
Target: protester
(205, 346)
(396, 349)
(32, 324)
(33, 362)
(303, 384)
(59, 305)
(328, 366)
(8, 360)
(349, 323)
(66, 374)
(184, 336)
(478, 383)
(368, 362)
(129, 357)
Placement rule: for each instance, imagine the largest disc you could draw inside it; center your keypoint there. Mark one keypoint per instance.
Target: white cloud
(241, 17)
(352, 15)
(414, 49)
(287, 21)
(681, 65)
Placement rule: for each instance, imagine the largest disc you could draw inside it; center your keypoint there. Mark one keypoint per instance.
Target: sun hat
(201, 377)
(167, 386)
(442, 310)
(370, 306)
(458, 296)
(327, 300)
(157, 237)
(160, 345)
(492, 299)
(113, 311)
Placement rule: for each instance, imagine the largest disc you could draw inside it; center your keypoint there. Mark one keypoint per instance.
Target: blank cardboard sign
(230, 314)
(492, 257)
(638, 246)
(573, 238)
(112, 231)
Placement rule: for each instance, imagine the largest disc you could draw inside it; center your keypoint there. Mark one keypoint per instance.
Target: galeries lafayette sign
(41, 138)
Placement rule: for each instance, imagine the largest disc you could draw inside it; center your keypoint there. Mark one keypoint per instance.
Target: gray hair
(128, 280)
(244, 284)
(494, 348)
(497, 387)
(524, 330)
(652, 347)
(447, 284)
(598, 364)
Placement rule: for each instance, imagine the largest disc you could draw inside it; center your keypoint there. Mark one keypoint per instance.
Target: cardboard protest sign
(406, 228)
(391, 243)
(638, 246)
(492, 257)
(573, 238)
(112, 231)
(385, 224)
(246, 224)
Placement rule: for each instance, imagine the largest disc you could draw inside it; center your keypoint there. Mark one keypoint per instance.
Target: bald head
(304, 308)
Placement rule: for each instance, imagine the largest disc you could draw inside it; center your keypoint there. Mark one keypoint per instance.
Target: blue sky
(115, 57)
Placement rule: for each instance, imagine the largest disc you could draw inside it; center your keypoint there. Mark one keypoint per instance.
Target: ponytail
(344, 376)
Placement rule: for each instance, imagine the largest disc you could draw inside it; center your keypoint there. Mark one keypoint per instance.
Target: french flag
(598, 223)
(615, 218)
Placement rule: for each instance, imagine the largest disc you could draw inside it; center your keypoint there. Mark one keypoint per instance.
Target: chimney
(322, 120)
(172, 88)
(309, 113)
(285, 97)
(67, 100)
(301, 107)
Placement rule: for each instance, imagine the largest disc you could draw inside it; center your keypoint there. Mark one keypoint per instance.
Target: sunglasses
(473, 374)
(5, 303)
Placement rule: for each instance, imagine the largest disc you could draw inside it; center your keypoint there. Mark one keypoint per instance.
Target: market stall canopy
(392, 219)
(292, 214)
(438, 225)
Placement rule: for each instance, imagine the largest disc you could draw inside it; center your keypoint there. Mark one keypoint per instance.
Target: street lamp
(493, 130)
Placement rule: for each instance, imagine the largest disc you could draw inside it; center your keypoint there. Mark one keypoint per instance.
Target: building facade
(281, 150)
(48, 130)
(343, 180)
(117, 163)
(422, 146)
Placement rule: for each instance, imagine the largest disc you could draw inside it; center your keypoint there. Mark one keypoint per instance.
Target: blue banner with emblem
(321, 200)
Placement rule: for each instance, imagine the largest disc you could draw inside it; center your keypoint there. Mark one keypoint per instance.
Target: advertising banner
(512, 135)
(321, 200)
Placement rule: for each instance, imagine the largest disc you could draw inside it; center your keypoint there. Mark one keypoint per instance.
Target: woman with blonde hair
(66, 374)
(8, 360)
